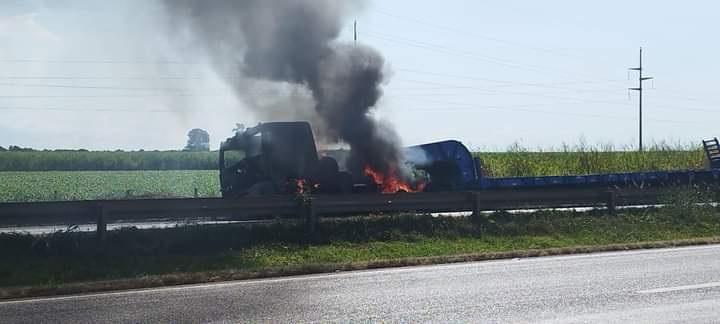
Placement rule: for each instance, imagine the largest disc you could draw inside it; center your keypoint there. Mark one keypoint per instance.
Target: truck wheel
(327, 168)
(262, 188)
(345, 182)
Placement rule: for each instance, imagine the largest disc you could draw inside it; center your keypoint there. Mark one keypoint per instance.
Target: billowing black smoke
(295, 42)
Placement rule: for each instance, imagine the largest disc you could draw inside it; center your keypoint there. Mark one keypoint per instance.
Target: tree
(19, 149)
(198, 140)
(2, 149)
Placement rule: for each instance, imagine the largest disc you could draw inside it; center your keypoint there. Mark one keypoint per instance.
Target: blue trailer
(450, 166)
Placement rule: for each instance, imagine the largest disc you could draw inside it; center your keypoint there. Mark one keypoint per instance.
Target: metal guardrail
(309, 208)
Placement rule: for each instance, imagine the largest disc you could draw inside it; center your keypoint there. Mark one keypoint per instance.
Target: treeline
(82, 160)
(15, 148)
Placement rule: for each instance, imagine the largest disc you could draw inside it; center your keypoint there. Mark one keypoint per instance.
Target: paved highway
(653, 286)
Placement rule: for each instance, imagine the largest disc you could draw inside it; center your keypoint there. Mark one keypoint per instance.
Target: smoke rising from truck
(290, 49)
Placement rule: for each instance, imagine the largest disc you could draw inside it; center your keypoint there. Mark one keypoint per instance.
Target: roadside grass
(70, 256)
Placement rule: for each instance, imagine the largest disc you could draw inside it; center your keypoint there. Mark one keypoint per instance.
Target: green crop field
(524, 163)
(64, 160)
(80, 185)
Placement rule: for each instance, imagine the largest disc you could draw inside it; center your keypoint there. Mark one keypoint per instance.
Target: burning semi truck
(282, 158)
(275, 158)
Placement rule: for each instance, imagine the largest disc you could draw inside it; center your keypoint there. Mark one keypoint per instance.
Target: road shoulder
(12, 293)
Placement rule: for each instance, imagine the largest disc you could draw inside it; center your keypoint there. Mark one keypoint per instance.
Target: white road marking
(679, 288)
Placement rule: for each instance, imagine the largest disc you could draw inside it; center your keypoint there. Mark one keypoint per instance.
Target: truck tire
(262, 188)
(345, 182)
(327, 168)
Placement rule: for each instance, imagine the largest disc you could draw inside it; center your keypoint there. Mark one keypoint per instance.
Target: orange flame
(391, 182)
(301, 186)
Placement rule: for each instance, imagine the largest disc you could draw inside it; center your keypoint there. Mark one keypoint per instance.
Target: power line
(115, 96)
(443, 86)
(35, 85)
(470, 55)
(89, 109)
(507, 82)
(446, 50)
(516, 108)
(71, 61)
(100, 78)
(425, 93)
(665, 93)
(668, 107)
(140, 96)
(466, 77)
(510, 92)
(474, 34)
(495, 89)
(470, 106)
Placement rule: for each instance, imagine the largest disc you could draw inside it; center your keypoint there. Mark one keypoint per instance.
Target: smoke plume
(290, 49)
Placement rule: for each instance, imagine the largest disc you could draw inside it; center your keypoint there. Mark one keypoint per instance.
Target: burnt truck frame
(277, 158)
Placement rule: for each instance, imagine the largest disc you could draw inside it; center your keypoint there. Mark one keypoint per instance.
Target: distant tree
(198, 140)
(2, 149)
(18, 148)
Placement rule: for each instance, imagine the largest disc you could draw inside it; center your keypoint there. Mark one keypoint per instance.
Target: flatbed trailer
(451, 165)
(627, 179)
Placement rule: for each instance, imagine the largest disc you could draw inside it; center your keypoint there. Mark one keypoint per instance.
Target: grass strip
(66, 261)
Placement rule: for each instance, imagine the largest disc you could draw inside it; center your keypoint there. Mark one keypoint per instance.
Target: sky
(492, 74)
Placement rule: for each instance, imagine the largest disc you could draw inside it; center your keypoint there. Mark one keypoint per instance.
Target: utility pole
(355, 32)
(639, 89)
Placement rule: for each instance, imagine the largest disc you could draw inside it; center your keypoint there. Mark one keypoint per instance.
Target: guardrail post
(611, 201)
(101, 223)
(307, 211)
(476, 206)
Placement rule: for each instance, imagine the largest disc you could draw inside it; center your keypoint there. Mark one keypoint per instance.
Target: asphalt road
(653, 286)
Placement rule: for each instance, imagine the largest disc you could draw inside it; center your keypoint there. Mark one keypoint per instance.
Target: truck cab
(278, 158)
(265, 158)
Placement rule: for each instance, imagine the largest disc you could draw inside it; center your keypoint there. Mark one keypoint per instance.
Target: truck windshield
(250, 148)
(232, 157)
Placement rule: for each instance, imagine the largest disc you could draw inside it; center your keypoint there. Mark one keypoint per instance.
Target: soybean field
(85, 185)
